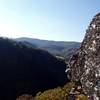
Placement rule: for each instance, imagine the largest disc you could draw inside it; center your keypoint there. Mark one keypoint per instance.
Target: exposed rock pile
(85, 64)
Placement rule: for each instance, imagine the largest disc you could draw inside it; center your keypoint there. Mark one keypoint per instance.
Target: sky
(60, 20)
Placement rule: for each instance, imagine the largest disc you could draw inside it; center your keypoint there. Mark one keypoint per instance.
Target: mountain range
(57, 48)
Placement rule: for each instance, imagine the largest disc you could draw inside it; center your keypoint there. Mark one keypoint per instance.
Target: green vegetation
(60, 48)
(81, 97)
(60, 93)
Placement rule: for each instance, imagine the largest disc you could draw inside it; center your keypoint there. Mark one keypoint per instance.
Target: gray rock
(85, 64)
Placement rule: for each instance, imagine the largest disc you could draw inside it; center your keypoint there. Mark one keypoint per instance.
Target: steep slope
(85, 64)
(25, 70)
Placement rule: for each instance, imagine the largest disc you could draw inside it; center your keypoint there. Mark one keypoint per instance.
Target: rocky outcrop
(85, 64)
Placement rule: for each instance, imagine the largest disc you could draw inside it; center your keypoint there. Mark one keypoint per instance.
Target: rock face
(85, 64)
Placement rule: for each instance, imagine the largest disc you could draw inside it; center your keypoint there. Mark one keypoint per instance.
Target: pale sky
(60, 20)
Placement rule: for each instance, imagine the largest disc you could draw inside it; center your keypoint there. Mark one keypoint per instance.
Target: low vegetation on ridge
(60, 93)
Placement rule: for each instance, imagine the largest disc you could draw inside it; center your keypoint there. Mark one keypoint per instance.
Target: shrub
(55, 94)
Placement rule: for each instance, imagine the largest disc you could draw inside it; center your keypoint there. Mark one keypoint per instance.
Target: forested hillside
(24, 70)
(57, 48)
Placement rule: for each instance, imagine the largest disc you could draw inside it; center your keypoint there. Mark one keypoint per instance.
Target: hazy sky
(64, 20)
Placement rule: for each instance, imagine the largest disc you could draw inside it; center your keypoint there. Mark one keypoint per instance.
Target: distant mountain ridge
(62, 48)
(41, 42)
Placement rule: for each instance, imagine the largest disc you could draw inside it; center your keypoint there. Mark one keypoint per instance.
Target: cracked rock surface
(85, 64)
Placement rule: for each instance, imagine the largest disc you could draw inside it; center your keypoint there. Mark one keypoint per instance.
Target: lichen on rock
(85, 64)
